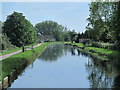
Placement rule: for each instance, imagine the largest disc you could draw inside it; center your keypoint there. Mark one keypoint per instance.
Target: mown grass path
(13, 53)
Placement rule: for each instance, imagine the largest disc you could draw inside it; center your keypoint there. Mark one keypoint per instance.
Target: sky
(73, 15)
(47, 0)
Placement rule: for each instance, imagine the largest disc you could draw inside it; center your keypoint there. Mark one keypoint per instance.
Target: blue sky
(70, 14)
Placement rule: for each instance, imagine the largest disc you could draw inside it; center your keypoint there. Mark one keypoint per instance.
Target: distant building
(45, 38)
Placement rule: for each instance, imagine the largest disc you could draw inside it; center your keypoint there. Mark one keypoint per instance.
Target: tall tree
(19, 29)
(103, 21)
(116, 22)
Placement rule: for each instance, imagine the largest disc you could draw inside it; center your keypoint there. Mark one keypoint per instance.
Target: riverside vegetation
(97, 52)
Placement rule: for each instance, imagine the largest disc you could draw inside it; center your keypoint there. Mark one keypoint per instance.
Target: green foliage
(103, 45)
(1, 24)
(103, 22)
(19, 30)
(72, 35)
(59, 32)
(79, 44)
(4, 40)
(116, 23)
(99, 53)
(5, 44)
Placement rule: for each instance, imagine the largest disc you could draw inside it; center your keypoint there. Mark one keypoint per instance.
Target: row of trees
(104, 22)
(19, 31)
(59, 32)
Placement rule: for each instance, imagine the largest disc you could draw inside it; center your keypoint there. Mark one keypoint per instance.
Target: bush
(104, 45)
(5, 44)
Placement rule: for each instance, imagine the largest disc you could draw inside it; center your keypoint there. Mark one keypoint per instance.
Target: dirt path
(13, 53)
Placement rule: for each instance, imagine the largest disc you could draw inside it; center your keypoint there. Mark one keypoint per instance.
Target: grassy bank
(3, 52)
(98, 53)
(14, 62)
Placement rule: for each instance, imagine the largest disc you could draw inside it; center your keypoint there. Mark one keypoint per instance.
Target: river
(63, 66)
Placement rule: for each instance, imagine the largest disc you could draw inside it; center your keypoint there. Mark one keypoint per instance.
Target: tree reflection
(73, 51)
(53, 52)
(117, 82)
(78, 52)
(102, 75)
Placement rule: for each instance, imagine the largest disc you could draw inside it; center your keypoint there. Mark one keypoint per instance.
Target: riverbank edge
(33, 54)
(92, 53)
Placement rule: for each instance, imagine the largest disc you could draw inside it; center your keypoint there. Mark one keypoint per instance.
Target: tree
(78, 37)
(52, 28)
(116, 23)
(1, 24)
(19, 30)
(0, 35)
(4, 40)
(103, 21)
(72, 35)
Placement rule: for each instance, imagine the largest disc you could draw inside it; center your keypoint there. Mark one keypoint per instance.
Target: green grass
(101, 53)
(9, 51)
(100, 50)
(14, 62)
(3, 52)
(58, 42)
(79, 44)
(67, 42)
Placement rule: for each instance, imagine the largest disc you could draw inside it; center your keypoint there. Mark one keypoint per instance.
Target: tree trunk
(23, 49)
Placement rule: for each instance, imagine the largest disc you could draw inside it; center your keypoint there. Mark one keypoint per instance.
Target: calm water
(63, 66)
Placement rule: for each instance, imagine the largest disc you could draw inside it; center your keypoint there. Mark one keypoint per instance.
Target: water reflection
(73, 51)
(103, 75)
(70, 68)
(78, 52)
(55, 51)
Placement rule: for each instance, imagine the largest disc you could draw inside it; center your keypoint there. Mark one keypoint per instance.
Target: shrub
(5, 43)
(104, 45)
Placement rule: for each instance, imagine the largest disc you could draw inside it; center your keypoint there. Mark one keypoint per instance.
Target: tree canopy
(103, 22)
(19, 29)
(59, 32)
